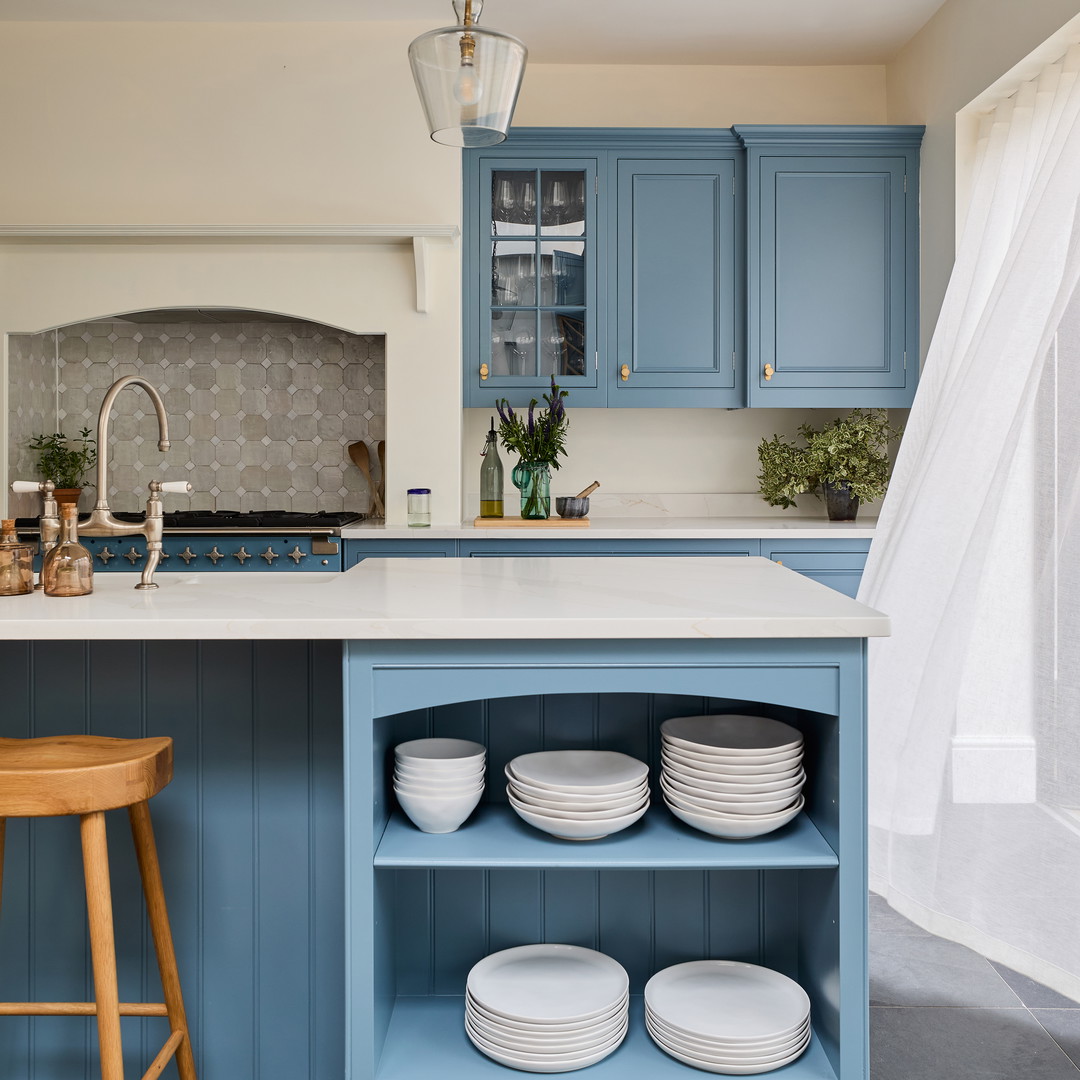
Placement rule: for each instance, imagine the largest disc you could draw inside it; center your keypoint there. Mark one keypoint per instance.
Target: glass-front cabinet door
(534, 317)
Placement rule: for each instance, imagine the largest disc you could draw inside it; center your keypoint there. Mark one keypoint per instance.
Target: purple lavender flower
(532, 406)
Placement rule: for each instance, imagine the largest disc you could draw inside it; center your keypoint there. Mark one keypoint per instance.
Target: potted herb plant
(65, 461)
(538, 437)
(846, 461)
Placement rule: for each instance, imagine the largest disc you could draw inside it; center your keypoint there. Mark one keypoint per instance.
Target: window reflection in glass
(562, 343)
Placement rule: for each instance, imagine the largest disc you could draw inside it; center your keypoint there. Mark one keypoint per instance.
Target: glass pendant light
(468, 79)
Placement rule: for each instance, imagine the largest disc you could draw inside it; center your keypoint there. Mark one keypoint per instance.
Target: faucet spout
(103, 431)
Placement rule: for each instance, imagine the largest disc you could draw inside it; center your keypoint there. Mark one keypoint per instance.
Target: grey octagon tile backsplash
(260, 413)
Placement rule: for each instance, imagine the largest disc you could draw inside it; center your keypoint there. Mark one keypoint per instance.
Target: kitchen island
(259, 678)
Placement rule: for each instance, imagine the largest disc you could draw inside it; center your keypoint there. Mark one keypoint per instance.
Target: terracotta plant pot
(67, 495)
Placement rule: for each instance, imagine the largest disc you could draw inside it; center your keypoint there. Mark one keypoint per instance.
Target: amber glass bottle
(16, 562)
(68, 569)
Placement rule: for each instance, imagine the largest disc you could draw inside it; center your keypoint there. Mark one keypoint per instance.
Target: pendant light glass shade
(468, 79)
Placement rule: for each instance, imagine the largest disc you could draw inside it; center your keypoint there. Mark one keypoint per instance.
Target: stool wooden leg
(102, 943)
(150, 870)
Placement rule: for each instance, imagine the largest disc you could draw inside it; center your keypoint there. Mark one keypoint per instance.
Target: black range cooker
(227, 541)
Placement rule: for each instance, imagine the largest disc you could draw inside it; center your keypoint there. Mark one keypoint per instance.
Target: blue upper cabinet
(678, 296)
(530, 269)
(761, 266)
(832, 265)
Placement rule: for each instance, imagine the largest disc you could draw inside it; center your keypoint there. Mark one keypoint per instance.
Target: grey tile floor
(939, 1011)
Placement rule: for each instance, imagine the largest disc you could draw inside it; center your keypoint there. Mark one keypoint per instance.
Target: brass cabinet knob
(485, 371)
(214, 555)
(769, 372)
(624, 372)
(105, 555)
(269, 555)
(187, 555)
(133, 556)
(241, 555)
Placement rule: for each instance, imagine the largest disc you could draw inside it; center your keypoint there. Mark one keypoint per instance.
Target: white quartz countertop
(633, 528)
(399, 599)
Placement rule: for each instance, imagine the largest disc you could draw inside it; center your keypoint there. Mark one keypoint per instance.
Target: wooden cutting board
(531, 523)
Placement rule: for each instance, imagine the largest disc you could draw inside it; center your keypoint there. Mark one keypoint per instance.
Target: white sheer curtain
(975, 699)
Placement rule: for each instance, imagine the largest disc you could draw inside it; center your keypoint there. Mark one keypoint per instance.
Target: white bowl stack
(547, 1008)
(728, 1017)
(578, 794)
(732, 776)
(438, 782)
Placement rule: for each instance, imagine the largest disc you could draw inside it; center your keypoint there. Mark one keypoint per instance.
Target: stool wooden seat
(85, 775)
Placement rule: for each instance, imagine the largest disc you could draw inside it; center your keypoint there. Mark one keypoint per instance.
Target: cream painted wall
(967, 46)
(217, 123)
(688, 96)
(319, 123)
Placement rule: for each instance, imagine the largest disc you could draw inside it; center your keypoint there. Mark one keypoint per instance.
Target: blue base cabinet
(423, 909)
(836, 563)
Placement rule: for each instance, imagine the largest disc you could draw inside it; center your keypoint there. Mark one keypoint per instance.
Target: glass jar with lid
(419, 508)
(16, 562)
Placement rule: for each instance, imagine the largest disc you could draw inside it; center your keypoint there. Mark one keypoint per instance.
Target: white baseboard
(993, 769)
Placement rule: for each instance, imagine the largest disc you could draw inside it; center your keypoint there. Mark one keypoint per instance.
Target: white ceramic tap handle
(175, 487)
(24, 487)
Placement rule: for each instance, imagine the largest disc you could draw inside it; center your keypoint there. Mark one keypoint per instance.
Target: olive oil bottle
(491, 477)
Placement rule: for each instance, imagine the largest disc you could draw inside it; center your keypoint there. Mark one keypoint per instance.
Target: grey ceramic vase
(839, 502)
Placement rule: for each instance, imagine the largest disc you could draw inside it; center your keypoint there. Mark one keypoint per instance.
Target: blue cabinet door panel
(832, 265)
(677, 317)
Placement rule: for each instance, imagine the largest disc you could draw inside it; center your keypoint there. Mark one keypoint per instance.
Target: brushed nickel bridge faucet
(102, 522)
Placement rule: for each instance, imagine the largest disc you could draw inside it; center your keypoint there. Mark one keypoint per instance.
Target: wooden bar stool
(87, 775)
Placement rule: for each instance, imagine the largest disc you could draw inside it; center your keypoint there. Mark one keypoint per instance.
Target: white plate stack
(547, 1008)
(732, 776)
(727, 1017)
(578, 794)
(438, 782)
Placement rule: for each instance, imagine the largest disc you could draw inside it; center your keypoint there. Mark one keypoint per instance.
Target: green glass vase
(533, 480)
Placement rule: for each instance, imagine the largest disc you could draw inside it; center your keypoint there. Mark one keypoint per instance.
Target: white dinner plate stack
(732, 776)
(728, 1017)
(547, 1008)
(578, 794)
(438, 782)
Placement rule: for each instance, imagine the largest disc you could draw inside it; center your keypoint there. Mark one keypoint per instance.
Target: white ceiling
(578, 31)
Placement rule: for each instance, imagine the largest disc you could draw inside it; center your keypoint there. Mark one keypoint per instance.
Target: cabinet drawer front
(676, 274)
(358, 550)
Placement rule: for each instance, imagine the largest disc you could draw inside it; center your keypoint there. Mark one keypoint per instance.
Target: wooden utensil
(588, 491)
(358, 451)
(380, 449)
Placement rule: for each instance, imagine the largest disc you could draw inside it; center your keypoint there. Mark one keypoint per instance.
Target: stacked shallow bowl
(547, 1008)
(578, 794)
(732, 776)
(727, 1017)
(438, 782)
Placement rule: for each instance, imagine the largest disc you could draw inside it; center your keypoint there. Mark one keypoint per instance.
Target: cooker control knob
(242, 555)
(214, 555)
(269, 555)
(296, 555)
(187, 554)
(133, 556)
(105, 555)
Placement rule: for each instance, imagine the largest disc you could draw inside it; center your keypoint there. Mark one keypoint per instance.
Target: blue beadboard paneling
(251, 845)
